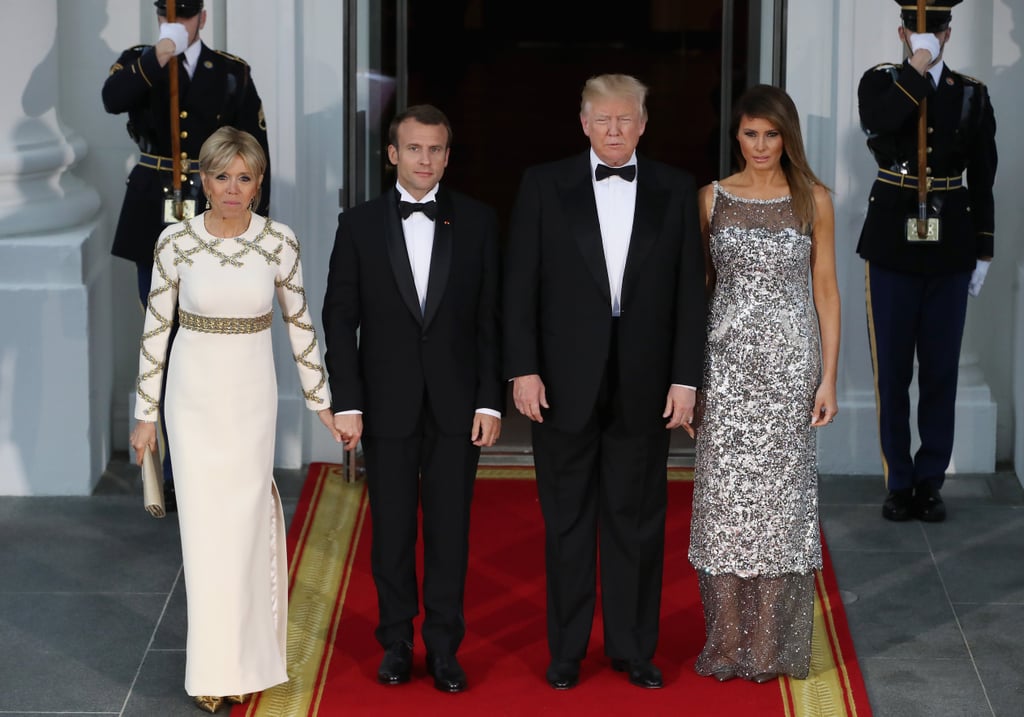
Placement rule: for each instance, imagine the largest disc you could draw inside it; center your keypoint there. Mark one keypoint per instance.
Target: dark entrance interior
(509, 75)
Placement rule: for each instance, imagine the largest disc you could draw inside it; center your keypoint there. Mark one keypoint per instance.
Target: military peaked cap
(937, 14)
(182, 8)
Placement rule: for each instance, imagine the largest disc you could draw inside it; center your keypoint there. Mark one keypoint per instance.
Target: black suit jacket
(450, 352)
(557, 304)
(220, 93)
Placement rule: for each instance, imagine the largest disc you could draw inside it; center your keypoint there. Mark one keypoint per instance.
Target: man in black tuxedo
(416, 273)
(604, 316)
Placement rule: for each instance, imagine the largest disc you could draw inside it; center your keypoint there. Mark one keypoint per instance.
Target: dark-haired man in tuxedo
(604, 338)
(415, 272)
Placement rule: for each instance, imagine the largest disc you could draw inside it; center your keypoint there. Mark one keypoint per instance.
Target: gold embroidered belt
(909, 181)
(224, 324)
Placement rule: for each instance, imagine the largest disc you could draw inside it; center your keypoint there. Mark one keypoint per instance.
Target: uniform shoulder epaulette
(139, 48)
(234, 58)
(968, 79)
(886, 66)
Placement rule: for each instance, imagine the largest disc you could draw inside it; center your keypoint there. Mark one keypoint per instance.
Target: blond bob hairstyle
(614, 87)
(221, 147)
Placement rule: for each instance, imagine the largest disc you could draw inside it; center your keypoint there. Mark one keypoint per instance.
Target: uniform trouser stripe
(874, 366)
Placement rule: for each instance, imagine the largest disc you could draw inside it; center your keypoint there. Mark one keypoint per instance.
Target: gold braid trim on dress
(224, 324)
(295, 320)
(163, 324)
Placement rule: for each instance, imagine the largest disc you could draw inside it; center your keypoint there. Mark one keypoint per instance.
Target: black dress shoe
(447, 673)
(563, 675)
(641, 673)
(928, 505)
(396, 666)
(898, 505)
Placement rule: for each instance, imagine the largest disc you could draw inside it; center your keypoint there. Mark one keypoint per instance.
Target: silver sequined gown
(754, 537)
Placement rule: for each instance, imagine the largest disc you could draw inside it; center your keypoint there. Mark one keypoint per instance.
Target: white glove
(925, 41)
(176, 33)
(978, 277)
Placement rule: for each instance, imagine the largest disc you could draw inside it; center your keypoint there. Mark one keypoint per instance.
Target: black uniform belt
(909, 181)
(165, 164)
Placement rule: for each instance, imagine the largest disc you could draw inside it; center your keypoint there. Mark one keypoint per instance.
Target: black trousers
(603, 486)
(433, 471)
(922, 315)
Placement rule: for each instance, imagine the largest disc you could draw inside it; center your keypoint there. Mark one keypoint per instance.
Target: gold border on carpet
(327, 544)
(328, 540)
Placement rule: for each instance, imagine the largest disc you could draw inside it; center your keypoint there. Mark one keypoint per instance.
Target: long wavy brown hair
(775, 106)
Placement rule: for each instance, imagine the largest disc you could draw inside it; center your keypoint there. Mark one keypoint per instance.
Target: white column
(829, 46)
(54, 379)
(296, 50)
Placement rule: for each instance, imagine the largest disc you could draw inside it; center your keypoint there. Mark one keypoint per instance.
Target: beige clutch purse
(152, 485)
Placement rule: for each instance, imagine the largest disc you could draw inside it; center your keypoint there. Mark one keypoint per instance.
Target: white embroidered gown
(221, 411)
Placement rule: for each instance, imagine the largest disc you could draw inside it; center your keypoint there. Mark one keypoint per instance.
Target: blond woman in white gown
(220, 272)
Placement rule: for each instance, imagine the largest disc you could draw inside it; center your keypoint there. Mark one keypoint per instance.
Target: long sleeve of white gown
(291, 295)
(156, 334)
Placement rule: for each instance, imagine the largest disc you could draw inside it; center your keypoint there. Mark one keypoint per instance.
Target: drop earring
(207, 203)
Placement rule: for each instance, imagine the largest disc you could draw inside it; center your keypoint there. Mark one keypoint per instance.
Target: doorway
(509, 75)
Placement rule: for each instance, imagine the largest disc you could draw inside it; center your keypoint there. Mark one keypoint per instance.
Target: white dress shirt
(191, 56)
(616, 204)
(419, 241)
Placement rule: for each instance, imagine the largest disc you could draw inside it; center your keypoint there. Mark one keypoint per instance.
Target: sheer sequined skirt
(757, 625)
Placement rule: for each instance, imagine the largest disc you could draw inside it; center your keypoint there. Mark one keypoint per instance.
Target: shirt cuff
(489, 412)
(353, 412)
(683, 385)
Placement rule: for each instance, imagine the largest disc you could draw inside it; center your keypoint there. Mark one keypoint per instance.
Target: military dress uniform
(221, 92)
(917, 289)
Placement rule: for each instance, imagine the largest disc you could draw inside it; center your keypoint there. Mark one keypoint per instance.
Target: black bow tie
(429, 209)
(603, 171)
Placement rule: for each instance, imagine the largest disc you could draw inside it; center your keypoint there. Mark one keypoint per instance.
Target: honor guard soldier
(927, 242)
(214, 89)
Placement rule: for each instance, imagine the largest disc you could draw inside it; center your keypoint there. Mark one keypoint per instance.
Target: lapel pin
(949, 81)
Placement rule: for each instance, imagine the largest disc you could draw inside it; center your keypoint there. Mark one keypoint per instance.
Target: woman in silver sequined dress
(769, 383)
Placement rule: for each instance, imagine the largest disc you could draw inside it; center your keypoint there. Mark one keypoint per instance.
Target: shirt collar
(936, 71)
(595, 160)
(404, 196)
(192, 56)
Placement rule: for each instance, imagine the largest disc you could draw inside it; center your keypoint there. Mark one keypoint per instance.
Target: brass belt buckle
(928, 183)
(188, 210)
(932, 237)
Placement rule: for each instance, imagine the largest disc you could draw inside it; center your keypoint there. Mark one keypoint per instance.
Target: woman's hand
(144, 435)
(825, 406)
(327, 418)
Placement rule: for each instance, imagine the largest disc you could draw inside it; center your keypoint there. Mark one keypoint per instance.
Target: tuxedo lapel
(651, 202)
(394, 238)
(581, 211)
(440, 255)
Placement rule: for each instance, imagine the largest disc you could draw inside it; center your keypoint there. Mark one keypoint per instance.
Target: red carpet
(333, 656)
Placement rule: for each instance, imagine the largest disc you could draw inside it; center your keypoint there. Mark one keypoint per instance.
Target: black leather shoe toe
(641, 673)
(928, 504)
(447, 673)
(898, 505)
(396, 666)
(563, 675)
